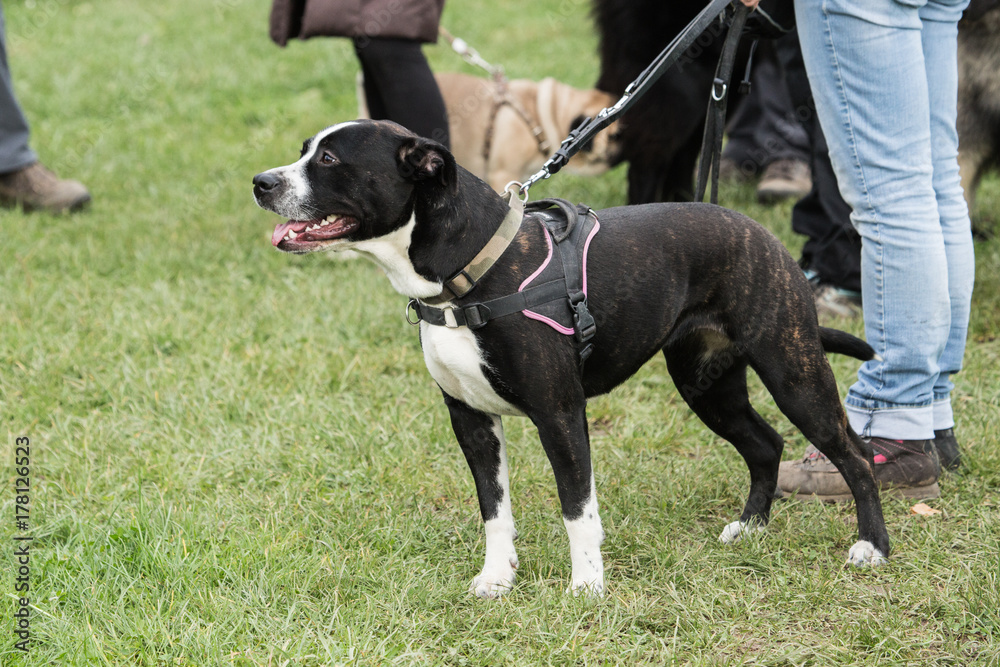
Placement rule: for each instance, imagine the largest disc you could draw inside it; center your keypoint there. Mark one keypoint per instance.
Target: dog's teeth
(325, 223)
(291, 235)
(309, 229)
(329, 219)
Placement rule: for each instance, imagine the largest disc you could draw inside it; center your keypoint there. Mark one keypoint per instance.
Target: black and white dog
(712, 289)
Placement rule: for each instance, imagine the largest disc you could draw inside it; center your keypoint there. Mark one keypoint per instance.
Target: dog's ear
(424, 161)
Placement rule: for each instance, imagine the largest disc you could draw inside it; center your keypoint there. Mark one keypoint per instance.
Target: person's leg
(15, 153)
(24, 181)
(866, 66)
(831, 254)
(940, 34)
(741, 131)
(765, 137)
(784, 145)
(833, 248)
(407, 92)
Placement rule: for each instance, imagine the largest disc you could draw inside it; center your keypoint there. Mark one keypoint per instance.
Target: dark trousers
(833, 248)
(399, 86)
(764, 127)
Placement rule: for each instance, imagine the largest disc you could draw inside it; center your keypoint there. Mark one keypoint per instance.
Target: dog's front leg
(481, 438)
(567, 444)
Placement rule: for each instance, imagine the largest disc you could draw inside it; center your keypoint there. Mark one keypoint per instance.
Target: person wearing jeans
(884, 77)
(23, 179)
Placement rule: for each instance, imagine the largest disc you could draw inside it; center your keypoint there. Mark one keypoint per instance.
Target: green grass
(239, 458)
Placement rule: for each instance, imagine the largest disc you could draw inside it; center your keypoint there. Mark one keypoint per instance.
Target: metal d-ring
(519, 189)
(411, 305)
(718, 97)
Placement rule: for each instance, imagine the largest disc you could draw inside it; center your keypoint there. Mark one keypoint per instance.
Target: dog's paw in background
(863, 554)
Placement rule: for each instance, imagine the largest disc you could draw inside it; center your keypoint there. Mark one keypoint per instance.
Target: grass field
(238, 457)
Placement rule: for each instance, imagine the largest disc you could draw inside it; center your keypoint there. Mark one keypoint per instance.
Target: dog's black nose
(266, 181)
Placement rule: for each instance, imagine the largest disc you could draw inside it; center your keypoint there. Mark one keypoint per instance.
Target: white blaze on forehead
(318, 139)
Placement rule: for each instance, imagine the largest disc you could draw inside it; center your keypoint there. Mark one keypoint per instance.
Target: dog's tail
(841, 342)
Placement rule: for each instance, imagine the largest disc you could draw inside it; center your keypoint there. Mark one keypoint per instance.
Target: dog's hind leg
(481, 438)
(567, 444)
(805, 390)
(711, 376)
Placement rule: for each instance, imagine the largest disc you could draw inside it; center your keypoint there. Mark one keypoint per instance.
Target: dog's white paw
(495, 582)
(864, 553)
(735, 531)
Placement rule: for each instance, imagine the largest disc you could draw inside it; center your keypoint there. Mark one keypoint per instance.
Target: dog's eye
(327, 158)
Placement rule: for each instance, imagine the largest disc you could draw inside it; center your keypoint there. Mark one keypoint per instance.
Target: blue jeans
(884, 76)
(14, 151)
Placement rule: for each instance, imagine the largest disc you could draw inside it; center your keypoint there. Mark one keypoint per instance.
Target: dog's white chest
(456, 364)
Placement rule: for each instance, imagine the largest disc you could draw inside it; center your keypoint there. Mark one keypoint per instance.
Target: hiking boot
(783, 179)
(947, 449)
(35, 187)
(835, 302)
(903, 468)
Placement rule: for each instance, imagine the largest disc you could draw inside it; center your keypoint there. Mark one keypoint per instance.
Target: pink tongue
(297, 226)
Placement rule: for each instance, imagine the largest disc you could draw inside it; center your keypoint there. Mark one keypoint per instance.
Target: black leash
(635, 90)
(715, 119)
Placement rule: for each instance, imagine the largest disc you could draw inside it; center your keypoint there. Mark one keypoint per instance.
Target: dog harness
(503, 97)
(554, 294)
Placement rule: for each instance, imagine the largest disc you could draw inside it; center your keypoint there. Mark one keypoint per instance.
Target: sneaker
(947, 449)
(903, 468)
(837, 303)
(784, 179)
(35, 187)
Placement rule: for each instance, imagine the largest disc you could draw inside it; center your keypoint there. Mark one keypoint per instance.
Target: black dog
(712, 289)
(661, 133)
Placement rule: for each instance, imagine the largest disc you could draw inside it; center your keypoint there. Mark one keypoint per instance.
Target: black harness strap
(476, 315)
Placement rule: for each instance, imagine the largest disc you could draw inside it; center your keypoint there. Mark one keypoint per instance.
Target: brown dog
(504, 131)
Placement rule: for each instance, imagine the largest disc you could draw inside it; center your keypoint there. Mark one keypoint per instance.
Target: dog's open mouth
(299, 234)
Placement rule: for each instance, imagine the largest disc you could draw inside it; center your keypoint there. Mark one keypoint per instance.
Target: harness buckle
(476, 315)
(583, 321)
(461, 283)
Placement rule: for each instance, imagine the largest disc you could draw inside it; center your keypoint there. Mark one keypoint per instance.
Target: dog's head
(353, 182)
